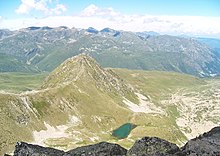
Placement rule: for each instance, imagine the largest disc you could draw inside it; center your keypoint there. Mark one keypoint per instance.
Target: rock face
(24, 149)
(207, 144)
(153, 146)
(102, 149)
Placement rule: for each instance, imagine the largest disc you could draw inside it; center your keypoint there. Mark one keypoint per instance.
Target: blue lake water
(123, 131)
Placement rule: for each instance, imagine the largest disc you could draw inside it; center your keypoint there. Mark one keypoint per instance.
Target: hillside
(211, 42)
(45, 48)
(81, 103)
(17, 82)
(193, 103)
(10, 63)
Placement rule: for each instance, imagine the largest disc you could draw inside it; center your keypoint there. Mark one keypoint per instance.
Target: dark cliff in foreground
(205, 145)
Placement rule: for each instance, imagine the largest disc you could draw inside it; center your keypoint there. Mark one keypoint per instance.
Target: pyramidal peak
(83, 69)
(70, 70)
(81, 58)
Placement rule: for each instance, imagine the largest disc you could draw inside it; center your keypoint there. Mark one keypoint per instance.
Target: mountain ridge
(78, 105)
(111, 48)
(66, 114)
(84, 68)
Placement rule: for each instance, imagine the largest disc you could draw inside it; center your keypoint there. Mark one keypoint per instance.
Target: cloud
(25, 6)
(40, 5)
(92, 10)
(99, 18)
(190, 25)
(58, 9)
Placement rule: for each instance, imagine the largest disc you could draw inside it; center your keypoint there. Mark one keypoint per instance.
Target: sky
(174, 17)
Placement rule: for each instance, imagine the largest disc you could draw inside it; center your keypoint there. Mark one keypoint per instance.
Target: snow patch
(194, 127)
(144, 106)
(94, 139)
(213, 75)
(197, 111)
(51, 132)
(74, 120)
(71, 40)
(27, 104)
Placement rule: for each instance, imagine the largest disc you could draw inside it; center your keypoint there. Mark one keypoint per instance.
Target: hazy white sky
(202, 19)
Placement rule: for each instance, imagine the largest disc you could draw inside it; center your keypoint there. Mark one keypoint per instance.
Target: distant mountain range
(211, 42)
(37, 49)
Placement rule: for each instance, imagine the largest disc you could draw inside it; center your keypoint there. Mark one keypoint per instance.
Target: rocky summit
(102, 148)
(24, 149)
(153, 146)
(204, 145)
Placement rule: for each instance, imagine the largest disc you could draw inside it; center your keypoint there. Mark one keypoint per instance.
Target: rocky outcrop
(204, 145)
(102, 149)
(24, 149)
(153, 146)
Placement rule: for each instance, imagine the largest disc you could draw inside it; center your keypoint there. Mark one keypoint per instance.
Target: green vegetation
(45, 50)
(40, 107)
(10, 63)
(18, 82)
(157, 84)
(157, 125)
(12, 122)
(88, 101)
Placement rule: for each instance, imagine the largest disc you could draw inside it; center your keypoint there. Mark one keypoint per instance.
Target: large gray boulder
(100, 149)
(153, 146)
(204, 145)
(25, 149)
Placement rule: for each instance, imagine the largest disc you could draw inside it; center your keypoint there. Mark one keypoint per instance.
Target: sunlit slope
(17, 82)
(159, 85)
(81, 103)
(193, 103)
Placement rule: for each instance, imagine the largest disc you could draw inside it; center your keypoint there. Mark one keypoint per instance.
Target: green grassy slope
(17, 82)
(157, 84)
(10, 63)
(88, 101)
(192, 104)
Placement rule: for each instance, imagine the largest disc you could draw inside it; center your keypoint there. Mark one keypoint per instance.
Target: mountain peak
(108, 30)
(92, 30)
(38, 28)
(70, 70)
(81, 57)
(83, 69)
